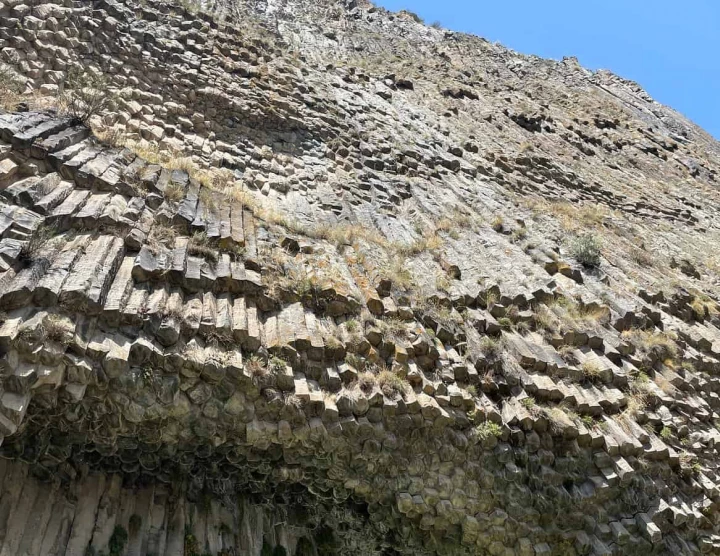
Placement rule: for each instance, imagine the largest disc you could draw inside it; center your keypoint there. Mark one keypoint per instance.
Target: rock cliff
(315, 278)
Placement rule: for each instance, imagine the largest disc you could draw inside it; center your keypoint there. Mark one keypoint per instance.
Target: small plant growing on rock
(161, 236)
(588, 421)
(332, 343)
(591, 371)
(661, 344)
(277, 364)
(391, 384)
(84, 94)
(689, 465)
(355, 361)
(174, 192)
(488, 429)
(636, 404)
(498, 224)
(666, 433)
(587, 250)
(40, 236)
(519, 234)
(10, 89)
(199, 246)
(257, 367)
(307, 285)
(415, 17)
(490, 347)
(57, 329)
(366, 382)
(505, 323)
(544, 319)
(703, 308)
(488, 298)
(394, 329)
(399, 274)
(207, 198)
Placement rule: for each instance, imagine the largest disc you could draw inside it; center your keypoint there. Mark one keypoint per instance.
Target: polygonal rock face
(442, 299)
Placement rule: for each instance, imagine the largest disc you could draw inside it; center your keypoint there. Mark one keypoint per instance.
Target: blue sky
(670, 47)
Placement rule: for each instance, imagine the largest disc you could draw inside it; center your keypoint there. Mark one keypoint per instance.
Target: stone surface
(311, 285)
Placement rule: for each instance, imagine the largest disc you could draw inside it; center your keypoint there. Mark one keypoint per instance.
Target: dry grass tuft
(10, 89)
(366, 382)
(498, 224)
(162, 236)
(174, 192)
(573, 217)
(199, 246)
(591, 371)
(57, 329)
(257, 368)
(393, 329)
(661, 344)
(391, 384)
(39, 239)
(490, 347)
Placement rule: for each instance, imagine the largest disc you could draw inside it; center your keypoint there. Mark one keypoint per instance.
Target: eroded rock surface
(324, 280)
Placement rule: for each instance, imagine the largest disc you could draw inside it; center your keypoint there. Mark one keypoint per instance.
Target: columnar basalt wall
(441, 298)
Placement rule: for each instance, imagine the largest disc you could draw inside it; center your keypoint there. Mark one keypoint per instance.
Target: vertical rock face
(319, 279)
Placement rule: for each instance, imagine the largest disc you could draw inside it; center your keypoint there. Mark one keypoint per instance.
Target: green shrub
(588, 421)
(277, 364)
(505, 323)
(487, 429)
(587, 250)
(414, 16)
(490, 347)
(84, 94)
